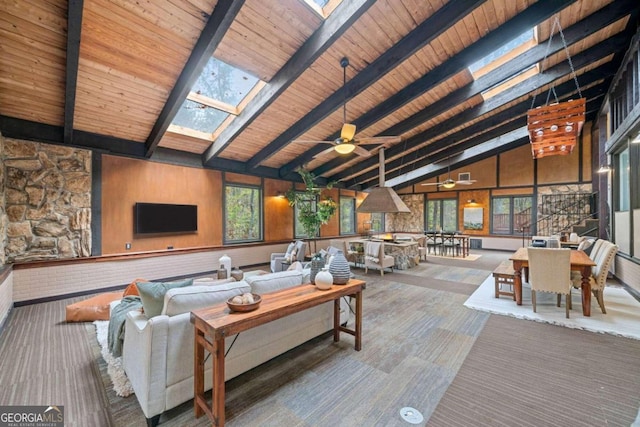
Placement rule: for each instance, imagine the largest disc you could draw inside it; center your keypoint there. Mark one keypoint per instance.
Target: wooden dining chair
(550, 271)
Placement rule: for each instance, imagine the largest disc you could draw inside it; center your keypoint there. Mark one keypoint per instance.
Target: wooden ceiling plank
(576, 32)
(512, 28)
(74, 30)
(218, 24)
(339, 21)
(518, 91)
(481, 131)
(416, 39)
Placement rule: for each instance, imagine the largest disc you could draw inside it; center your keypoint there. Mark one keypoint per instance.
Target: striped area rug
(529, 374)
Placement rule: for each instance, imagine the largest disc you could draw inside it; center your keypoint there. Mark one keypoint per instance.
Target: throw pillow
(152, 295)
(132, 289)
(289, 249)
(293, 256)
(297, 266)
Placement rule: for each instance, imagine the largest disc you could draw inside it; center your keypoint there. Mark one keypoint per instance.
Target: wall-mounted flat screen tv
(150, 218)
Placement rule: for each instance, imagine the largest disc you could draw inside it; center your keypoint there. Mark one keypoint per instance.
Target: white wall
(6, 297)
(53, 280)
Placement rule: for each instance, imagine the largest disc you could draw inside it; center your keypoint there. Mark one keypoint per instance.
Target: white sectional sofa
(158, 352)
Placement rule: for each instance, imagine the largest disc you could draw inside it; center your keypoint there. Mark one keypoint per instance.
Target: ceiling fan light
(345, 148)
(554, 128)
(448, 184)
(348, 131)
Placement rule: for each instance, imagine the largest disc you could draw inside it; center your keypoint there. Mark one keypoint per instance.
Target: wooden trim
(74, 30)
(219, 22)
(213, 103)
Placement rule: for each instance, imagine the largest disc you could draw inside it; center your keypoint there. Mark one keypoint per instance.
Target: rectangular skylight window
(223, 82)
(199, 117)
(502, 50)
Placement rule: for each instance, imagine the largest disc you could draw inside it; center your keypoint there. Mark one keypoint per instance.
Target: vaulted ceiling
(112, 75)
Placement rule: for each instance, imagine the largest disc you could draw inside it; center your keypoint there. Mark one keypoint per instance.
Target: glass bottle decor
(339, 269)
(316, 265)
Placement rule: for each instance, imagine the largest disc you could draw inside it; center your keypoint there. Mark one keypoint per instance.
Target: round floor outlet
(411, 415)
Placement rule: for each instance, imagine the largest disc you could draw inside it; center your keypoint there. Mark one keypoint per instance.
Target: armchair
(550, 271)
(376, 258)
(351, 256)
(299, 248)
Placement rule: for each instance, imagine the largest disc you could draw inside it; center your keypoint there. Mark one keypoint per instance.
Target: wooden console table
(214, 323)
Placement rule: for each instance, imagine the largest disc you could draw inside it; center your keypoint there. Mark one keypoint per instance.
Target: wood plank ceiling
(112, 74)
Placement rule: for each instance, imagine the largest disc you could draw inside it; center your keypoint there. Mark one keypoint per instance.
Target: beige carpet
(622, 318)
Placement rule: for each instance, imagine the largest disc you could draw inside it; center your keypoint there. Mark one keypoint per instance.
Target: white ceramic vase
(324, 280)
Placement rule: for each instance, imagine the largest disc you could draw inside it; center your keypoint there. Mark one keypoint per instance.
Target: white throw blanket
(373, 251)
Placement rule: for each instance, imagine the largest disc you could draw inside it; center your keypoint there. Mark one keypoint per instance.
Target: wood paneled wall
(126, 181)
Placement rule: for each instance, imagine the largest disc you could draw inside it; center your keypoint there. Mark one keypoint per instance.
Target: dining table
(580, 261)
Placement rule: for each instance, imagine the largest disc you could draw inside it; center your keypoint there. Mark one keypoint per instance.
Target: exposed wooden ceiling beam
(74, 29)
(420, 36)
(332, 28)
(511, 119)
(586, 57)
(530, 17)
(219, 22)
(40, 132)
(473, 155)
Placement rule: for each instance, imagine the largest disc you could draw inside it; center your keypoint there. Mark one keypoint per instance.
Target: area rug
(121, 384)
(622, 318)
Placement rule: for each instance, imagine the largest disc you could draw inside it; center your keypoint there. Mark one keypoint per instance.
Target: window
(622, 175)
(220, 92)
(377, 222)
(309, 204)
(242, 213)
(442, 215)
(347, 215)
(510, 213)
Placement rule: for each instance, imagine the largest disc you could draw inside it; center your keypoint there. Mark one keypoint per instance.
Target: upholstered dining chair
(422, 249)
(374, 257)
(604, 258)
(550, 271)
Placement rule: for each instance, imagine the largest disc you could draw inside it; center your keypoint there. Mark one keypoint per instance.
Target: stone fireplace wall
(408, 222)
(47, 200)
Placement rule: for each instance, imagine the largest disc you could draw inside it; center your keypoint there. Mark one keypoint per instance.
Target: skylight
(218, 93)
(512, 48)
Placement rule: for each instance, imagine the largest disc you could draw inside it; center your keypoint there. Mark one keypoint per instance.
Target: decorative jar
(323, 280)
(225, 262)
(317, 263)
(339, 269)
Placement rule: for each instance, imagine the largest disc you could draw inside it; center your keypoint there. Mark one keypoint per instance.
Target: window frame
(353, 219)
(512, 229)
(302, 234)
(441, 219)
(260, 237)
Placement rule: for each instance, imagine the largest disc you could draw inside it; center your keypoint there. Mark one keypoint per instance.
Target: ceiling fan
(464, 179)
(347, 142)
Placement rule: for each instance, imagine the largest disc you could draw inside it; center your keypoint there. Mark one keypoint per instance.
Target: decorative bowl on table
(245, 302)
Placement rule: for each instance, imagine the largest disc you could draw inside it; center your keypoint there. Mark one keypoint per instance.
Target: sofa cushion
(183, 300)
(275, 281)
(94, 308)
(152, 295)
(132, 289)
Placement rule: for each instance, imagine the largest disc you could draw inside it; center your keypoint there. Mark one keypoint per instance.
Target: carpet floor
(421, 348)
